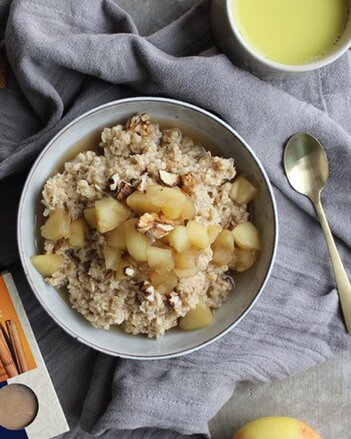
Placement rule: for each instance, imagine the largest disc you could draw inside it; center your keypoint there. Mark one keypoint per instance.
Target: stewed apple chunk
(197, 318)
(164, 282)
(160, 259)
(112, 258)
(142, 203)
(221, 256)
(77, 234)
(47, 264)
(117, 237)
(90, 216)
(198, 235)
(185, 273)
(243, 259)
(185, 259)
(213, 231)
(110, 213)
(137, 243)
(247, 236)
(179, 239)
(188, 211)
(225, 240)
(242, 191)
(168, 197)
(57, 226)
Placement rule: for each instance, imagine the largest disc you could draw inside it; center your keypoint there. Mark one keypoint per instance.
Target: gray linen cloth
(66, 57)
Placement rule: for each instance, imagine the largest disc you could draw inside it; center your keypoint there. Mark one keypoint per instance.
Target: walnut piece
(124, 190)
(169, 179)
(188, 180)
(113, 182)
(129, 271)
(154, 225)
(148, 290)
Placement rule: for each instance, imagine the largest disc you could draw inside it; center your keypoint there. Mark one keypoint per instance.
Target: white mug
(230, 40)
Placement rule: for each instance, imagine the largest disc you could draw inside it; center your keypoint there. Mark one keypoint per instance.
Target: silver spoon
(306, 167)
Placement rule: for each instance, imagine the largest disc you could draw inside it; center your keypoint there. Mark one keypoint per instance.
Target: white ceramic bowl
(230, 40)
(249, 285)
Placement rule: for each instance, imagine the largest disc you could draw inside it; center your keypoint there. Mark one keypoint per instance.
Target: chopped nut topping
(169, 179)
(148, 290)
(188, 180)
(141, 186)
(124, 190)
(154, 225)
(129, 271)
(113, 182)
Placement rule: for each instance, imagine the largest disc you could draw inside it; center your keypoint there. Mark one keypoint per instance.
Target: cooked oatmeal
(143, 233)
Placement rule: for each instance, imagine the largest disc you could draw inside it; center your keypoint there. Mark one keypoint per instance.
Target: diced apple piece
(110, 213)
(57, 226)
(225, 240)
(188, 211)
(221, 256)
(141, 203)
(198, 235)
(179, 239)
(164, 282)
(161, 259)
(242, 191)
(112, 257)
(90, 216)
(171, 197)
(247, 236)
(137, 243)
(243, 259)
(47, 264)
(77, 235)
(171, 213)
(213, 231)
(185, 259)
(186, 272)
(197, 318)
(117, 237)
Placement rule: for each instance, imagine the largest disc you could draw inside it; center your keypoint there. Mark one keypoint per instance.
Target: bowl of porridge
(147, 228)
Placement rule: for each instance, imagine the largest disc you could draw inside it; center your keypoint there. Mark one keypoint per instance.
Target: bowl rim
(289, 68)
(23, 257)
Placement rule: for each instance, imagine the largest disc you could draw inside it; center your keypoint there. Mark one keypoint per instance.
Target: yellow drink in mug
(291, 32)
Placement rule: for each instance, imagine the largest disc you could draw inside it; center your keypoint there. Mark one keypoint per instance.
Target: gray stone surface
(320, 396)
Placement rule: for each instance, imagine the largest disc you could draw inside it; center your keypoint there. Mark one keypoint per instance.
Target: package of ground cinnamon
(29, 407)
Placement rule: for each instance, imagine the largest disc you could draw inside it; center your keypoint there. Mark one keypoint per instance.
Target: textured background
(321, 396)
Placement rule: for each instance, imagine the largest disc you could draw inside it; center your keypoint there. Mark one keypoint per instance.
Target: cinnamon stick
(17, 346)
(3, 374)
(6, 357)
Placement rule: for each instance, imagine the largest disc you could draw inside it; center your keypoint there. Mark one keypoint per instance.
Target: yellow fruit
(141, 203)
(242, 191)
(137, 243)
(164, 282)
(117, 237)
(112, 258)
(243, 259)
(225, 240)
(171, 213)
(179, 239)
(213, 231)
(47, 264)
(169, 197)
(221, 256)
(197, 318)
(90, 216)
(185, 259)
(188, 211)
(198, 235)
(276, 428)
(185, 273)
(161, 259)
(77, 234)
(110, 213)
(57, 226)
(247, 236)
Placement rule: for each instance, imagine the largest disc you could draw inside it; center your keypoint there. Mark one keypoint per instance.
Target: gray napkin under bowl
(66, 57)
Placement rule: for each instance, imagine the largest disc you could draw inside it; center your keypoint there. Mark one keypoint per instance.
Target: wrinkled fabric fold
(67, 57)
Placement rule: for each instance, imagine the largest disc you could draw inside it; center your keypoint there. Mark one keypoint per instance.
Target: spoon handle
(342, 281)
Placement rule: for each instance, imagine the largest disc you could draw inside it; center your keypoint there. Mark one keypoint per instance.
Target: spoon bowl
(306, 165)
